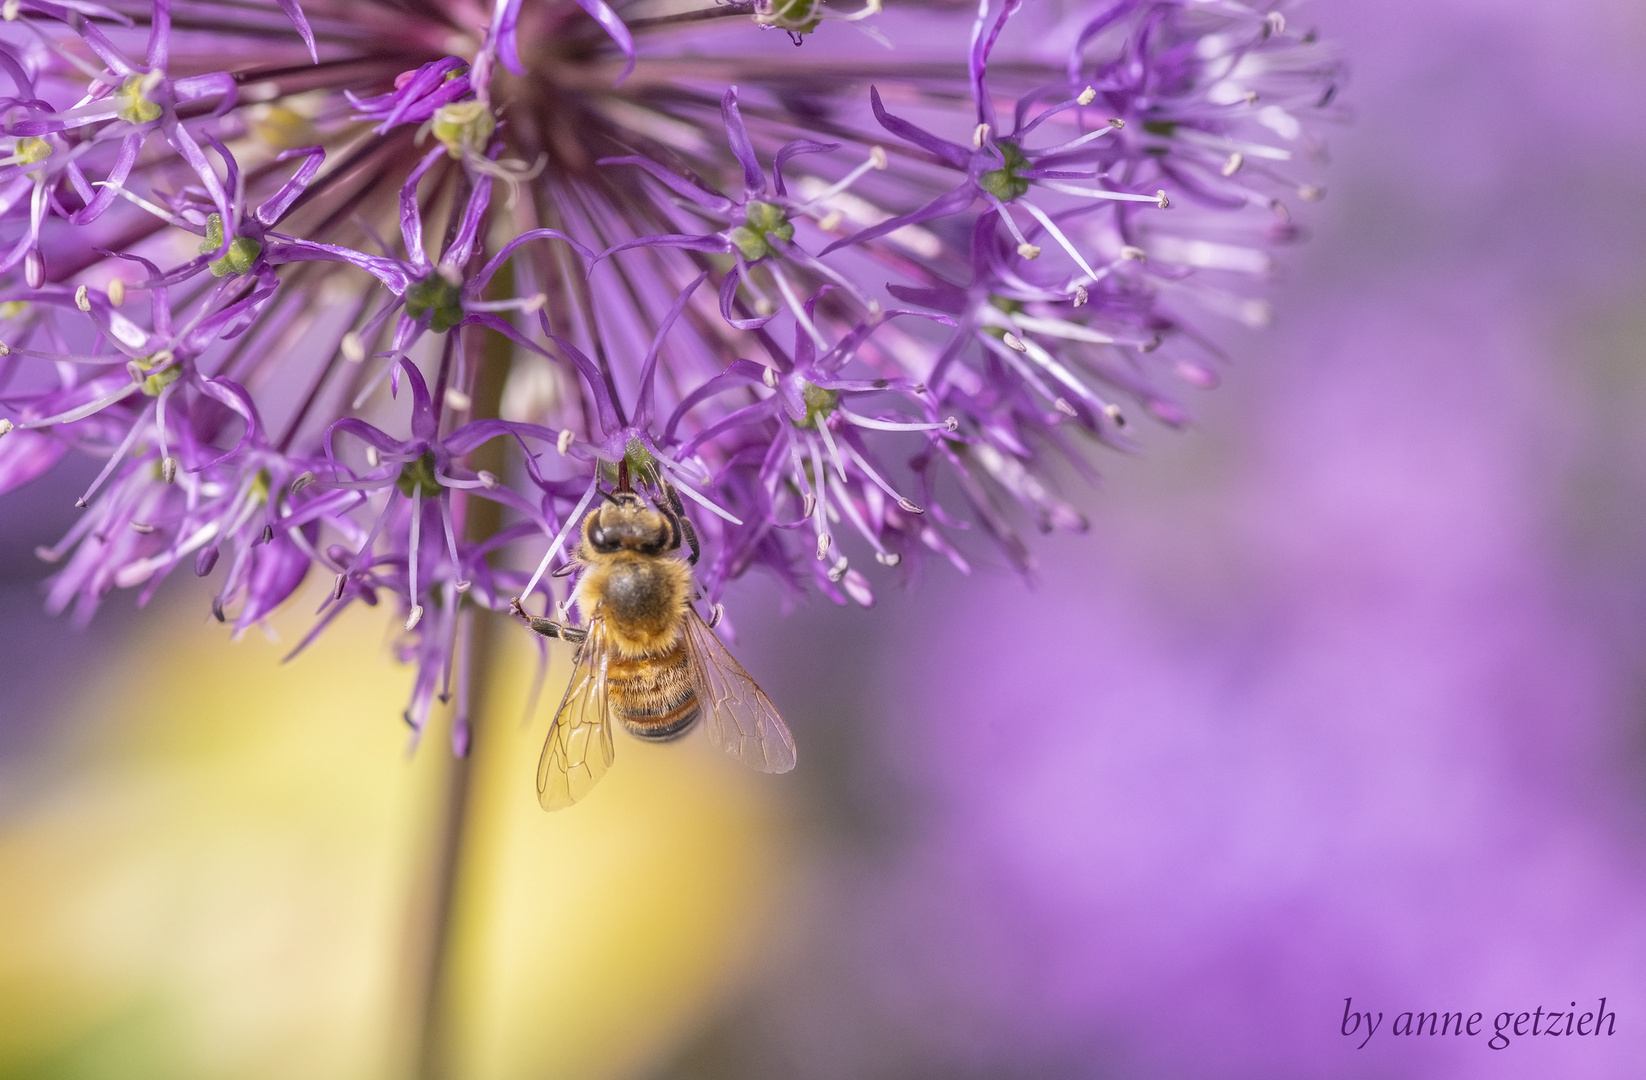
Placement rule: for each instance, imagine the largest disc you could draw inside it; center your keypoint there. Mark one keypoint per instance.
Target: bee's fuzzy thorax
(641, 598)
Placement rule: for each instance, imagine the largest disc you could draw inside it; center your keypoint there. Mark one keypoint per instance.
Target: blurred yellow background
(224, 871)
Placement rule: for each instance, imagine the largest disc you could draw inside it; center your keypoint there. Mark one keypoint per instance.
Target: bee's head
(625, 523)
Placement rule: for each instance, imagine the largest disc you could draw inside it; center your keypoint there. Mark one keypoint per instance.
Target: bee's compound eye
(601, 540)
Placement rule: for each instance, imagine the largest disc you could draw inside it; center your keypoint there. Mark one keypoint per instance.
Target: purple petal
(677, 184)
(955, 155)
(754, 181)
(602, 13)
(299, 20)
(794, 149)
(648, 367)
(24, 455)
(982, 44)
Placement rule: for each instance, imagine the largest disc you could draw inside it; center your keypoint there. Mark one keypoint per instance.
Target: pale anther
(887, 558)
(1014, 342)
(1087, 96)
(1080, 296)
(823, 542)
(142, 527)
(908, 507)
(1062, 405)
(117, 292)
(1028, 251)
(303, 480)
(769, 377)
(488, 480)
(457, 400)
(564, 442)
(877, 157)
(1165, 203)
(415, 617)
(1136, 254)
(980, 135)
(168, 469)
(1232, 166)
(82, 299)
(354, 350)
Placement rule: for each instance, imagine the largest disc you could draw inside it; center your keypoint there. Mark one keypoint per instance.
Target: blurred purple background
(1341, 696)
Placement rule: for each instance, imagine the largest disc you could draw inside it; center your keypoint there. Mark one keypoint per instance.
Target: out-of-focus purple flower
(227, 245)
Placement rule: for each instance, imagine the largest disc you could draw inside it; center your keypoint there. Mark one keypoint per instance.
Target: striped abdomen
(653, 695)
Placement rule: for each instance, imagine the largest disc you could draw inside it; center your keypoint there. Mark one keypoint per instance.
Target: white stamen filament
(797, 308)
(572, 521)
(1100, 193)
(1076, 143)
(158, 211)
(1057, 234)
(877, 161)
(451, 541)
(822, 425)
(890, 425)
(85, 410)
(411, 555)
(115, 459)
(1061, 329)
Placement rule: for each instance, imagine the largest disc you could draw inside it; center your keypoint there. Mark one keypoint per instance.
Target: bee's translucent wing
(579, 747)
(740, 718)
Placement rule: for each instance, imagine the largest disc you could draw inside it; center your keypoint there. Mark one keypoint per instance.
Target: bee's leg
(682, 524)
(547, 627)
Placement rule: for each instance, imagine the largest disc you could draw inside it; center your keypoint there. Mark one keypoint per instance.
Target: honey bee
(645, 657)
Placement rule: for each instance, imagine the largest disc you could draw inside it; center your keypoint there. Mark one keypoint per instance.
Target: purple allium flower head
(296, 272)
